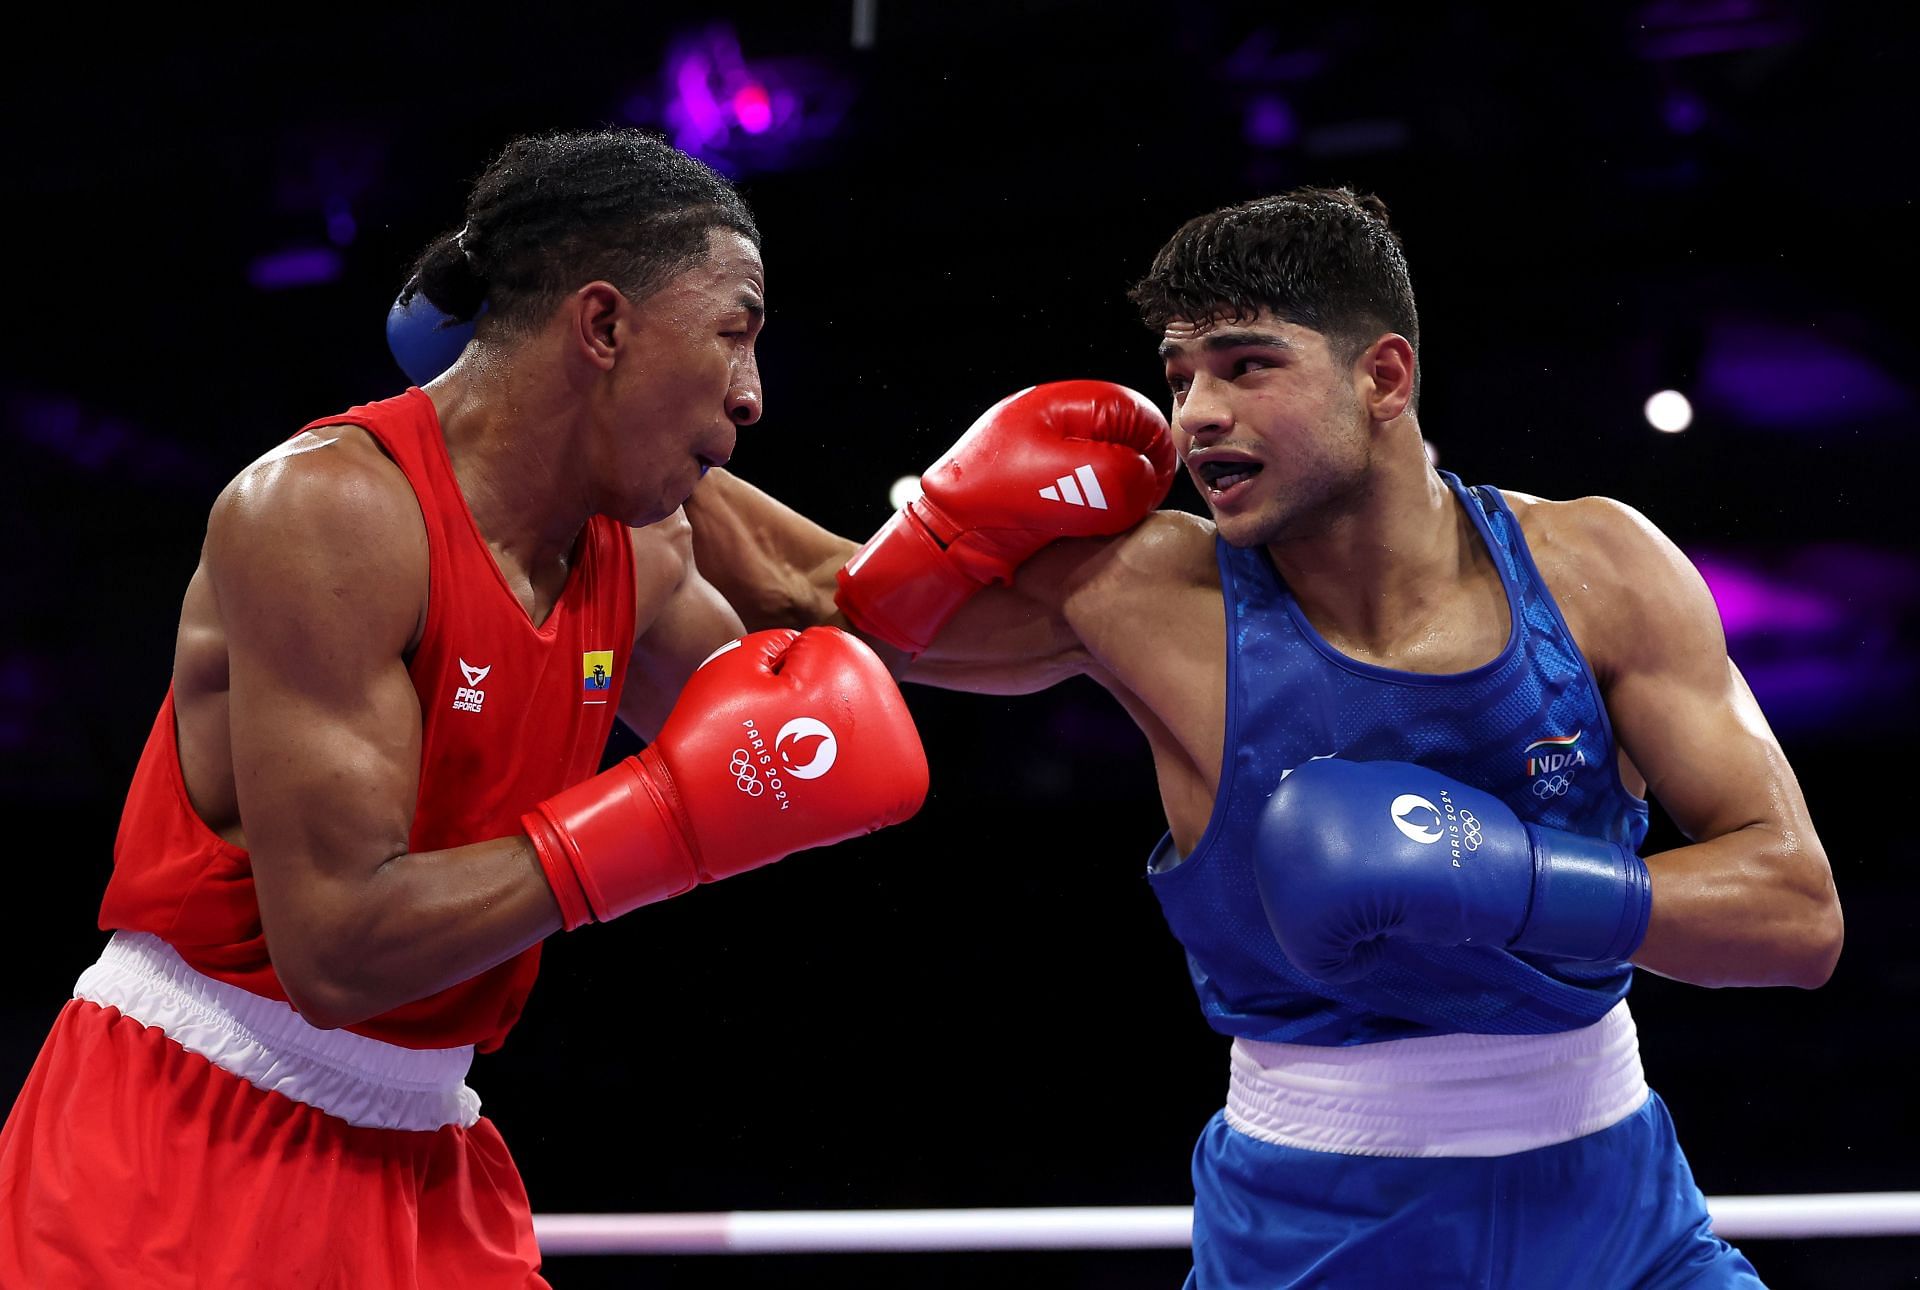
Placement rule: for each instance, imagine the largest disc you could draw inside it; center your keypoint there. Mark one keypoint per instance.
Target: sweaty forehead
(730, 275)
(732, 262)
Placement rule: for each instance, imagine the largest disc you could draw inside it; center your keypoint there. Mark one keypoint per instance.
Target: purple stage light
(1773, 376)
(694, 111)
(1270, 122)
(753, 109)
(1822, 634)
(1753, 602)
(1684, 112)
(1672, 29)
(737, 114)
(341, 226)
(97, 443)
(1258, 60)
(296, 266)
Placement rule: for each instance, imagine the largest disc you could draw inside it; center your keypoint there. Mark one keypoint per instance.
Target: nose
(1206, 410)
(743, 393)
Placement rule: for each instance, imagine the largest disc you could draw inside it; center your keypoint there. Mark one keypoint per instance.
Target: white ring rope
(1890, 1213)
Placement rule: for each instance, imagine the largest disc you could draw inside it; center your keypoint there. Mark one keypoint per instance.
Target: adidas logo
(1064, 489)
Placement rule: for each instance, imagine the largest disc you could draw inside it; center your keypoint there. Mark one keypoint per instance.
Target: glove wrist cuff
(902, 586)
(615, 842)
(1591, 898)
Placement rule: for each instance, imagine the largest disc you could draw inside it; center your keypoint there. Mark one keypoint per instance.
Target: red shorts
(129, 1161)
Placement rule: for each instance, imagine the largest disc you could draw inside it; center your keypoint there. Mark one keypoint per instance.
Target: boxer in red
(369, 794)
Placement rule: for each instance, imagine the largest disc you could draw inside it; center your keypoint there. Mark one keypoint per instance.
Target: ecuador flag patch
(596, 675)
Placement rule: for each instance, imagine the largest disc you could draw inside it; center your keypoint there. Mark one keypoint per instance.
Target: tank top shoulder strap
(1497, 527)
(407, 429)
(1509, 541)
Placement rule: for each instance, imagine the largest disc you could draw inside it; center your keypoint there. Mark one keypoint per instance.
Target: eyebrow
(1217, 341)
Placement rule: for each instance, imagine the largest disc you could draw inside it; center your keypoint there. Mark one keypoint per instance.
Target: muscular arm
(771, 563)
(777, 567)
(1751, 901)
(318, 563)
(1138, 613)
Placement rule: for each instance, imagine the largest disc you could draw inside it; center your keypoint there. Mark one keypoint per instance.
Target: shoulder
(326, 513)
(1624, 586)
(1166, 550)
(1171, 544)
(1598, 537)
(1110, 591)
(332, 480)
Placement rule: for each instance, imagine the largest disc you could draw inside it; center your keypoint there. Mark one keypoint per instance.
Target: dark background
(983, 1007)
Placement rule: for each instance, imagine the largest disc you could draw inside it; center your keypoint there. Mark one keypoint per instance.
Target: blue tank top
(1528, 727)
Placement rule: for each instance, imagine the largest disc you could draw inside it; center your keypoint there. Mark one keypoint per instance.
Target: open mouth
(1221, 477)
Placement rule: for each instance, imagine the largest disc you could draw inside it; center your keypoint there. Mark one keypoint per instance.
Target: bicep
(324, 721)
(326, 775)
(1751, 900)
(1706, 751)
(1683, 713)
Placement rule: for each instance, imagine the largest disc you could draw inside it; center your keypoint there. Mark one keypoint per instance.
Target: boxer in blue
(1404, 731)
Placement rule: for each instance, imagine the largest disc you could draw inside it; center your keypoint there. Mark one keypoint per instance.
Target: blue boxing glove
(1353, 853)
(425, 339)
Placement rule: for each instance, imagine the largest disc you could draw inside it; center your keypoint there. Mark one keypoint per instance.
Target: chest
(1479, 677)
(511, 713)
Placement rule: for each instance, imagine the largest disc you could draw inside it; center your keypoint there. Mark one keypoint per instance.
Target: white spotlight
(1433, 453)
(904, 490)
(1669, 411)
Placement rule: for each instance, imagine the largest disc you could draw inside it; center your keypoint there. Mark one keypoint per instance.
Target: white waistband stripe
(360, 1080)
(1439, 1095)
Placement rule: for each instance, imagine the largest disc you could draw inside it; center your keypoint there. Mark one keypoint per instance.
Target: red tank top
(509, 714)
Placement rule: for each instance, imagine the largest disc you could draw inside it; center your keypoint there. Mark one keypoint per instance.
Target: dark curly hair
(1318, 257)
(557, 210)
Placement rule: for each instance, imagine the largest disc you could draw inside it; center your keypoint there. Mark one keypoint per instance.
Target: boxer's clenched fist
(1069, 459)
(782, 740)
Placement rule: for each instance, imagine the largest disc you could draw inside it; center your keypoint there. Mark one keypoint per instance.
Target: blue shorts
(1617, 1208)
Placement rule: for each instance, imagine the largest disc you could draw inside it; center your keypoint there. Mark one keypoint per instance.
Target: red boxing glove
(782, 740)
(1070, 459)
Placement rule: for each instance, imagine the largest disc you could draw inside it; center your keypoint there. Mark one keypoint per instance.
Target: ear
(596, 317)
(1384, 376)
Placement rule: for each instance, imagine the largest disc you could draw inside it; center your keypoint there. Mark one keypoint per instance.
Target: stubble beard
(1316, 502)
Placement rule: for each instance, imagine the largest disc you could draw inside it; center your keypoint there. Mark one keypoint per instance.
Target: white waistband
(1439, 1095)
(266, 1043)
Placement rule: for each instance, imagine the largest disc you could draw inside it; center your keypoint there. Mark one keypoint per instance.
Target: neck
(517, 443)
(1377, 568)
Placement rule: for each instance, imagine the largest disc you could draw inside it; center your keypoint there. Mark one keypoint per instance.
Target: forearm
(412, 927)
(778, 569)
(1753, 907)
(774, 565)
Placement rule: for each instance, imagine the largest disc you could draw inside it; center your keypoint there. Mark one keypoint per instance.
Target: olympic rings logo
(1470, 834)
(1557, 786)
(745, 777)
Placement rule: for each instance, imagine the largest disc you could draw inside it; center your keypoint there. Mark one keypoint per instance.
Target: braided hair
(557, 210)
